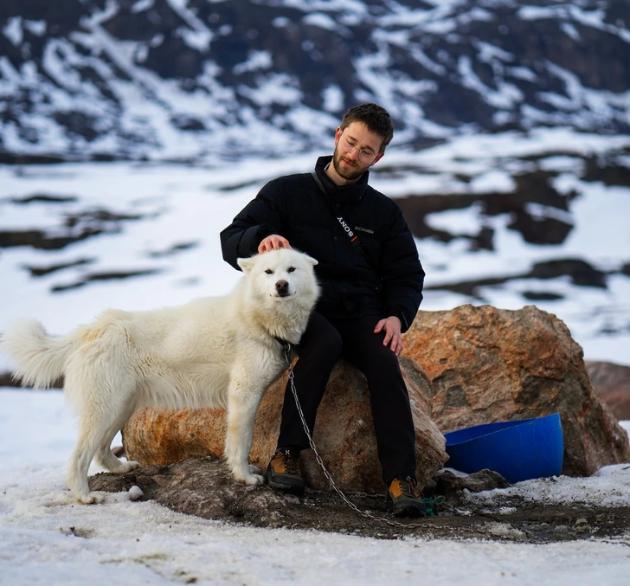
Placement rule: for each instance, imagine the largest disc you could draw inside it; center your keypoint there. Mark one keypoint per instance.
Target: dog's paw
(255, 470)
(91, 499)
(254, 479)
(129, 466)
(249, 478)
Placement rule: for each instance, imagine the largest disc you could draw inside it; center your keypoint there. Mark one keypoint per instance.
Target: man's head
(375, 117)
(360, 141)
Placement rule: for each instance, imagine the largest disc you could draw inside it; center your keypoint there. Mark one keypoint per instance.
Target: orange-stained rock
(612, 385)
(482, 364)
(463, 367)
(343, 434)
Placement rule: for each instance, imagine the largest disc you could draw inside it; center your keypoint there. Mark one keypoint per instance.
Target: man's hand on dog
(273, 242)
(390, 325)
(393, 338)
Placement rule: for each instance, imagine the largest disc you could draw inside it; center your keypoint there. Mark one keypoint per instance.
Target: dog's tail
(39, 359)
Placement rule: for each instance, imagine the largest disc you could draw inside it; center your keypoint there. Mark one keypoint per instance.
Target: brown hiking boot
(283, 472)
(404, 499)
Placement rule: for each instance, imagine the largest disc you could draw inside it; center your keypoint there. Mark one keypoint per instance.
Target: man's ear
(377, 159)
(246, 264)
(338, 134)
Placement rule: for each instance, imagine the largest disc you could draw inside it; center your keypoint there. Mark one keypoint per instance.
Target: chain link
(327, 474)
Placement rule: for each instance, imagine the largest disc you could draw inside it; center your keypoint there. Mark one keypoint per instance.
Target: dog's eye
(290, 269)
(268, 271)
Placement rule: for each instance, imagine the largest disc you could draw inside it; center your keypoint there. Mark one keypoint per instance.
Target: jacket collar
(353, 192)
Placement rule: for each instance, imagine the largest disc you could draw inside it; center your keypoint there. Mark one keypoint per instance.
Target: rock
(204, 487)
(463, 367)
(201, 487)
(448, 482)
(343, 434)
(482, 364)
(612, 385)
(135, 493)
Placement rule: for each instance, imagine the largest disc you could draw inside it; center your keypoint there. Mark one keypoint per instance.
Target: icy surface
(47, 539)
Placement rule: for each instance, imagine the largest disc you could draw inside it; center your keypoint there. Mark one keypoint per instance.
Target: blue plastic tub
(518, 450)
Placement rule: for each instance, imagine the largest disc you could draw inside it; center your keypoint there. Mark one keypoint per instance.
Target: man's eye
(290, 269)
(268, 271)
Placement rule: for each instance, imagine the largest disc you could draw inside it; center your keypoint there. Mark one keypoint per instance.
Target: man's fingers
(392, 338)
(273, 242)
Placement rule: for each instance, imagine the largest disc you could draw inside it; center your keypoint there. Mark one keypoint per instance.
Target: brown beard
(348, 176)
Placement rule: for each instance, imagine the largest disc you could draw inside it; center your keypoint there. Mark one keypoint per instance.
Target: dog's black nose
(282, 287)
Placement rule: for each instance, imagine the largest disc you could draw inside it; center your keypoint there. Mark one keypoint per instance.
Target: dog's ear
(245, 263)
(310, 259)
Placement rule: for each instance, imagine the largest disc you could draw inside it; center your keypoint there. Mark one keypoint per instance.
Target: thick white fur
(214, 351)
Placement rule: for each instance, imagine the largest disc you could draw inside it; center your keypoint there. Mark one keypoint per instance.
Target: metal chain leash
(327, 474)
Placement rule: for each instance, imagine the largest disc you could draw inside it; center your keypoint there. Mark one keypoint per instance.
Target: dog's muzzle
(282, 288)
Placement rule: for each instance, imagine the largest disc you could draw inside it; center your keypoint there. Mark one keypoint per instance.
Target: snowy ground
(164, 221)
(46, 539)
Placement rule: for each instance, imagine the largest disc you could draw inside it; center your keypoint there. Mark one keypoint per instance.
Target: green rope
(432, 504)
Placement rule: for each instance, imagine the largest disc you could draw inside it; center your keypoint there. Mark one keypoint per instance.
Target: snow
(321, 20)
(13, 30)
(47, 539)
(189, 205)
(138, 114)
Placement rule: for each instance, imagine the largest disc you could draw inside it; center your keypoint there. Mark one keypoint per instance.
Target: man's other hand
(393, 338)
(273, 242)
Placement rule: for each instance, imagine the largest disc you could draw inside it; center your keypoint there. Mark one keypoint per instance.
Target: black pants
(323, 343)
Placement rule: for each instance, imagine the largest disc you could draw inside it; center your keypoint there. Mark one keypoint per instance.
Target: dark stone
(39, 239)
(74, 228)
(44, 198)
(540, 230)
(612, 384)
(46, 270)
(448, 482)
(203, 487)
(581, 272)
(105, 276)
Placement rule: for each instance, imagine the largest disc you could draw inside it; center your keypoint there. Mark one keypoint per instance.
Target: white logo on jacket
(345, 226)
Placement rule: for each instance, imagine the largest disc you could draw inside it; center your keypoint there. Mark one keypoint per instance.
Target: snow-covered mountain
(198, 78)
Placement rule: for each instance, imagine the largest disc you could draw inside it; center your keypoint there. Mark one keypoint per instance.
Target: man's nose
(282, 287)
(354, 152)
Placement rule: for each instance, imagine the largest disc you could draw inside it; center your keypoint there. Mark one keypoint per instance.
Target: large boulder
(463, 367)
(343, 434)
(483, 364)
(612, 385)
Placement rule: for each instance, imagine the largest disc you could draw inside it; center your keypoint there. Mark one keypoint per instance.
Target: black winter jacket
(383, 276)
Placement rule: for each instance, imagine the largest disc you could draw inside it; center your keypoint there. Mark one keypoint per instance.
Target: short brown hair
(376, 118)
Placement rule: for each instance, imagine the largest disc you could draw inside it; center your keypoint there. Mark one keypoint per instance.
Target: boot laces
(410, 487)
(290, 461)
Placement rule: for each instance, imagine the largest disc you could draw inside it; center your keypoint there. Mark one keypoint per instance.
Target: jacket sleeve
(258, 219)
(402, 274)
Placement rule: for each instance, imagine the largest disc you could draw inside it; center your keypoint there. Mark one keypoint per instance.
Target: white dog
(215, 351)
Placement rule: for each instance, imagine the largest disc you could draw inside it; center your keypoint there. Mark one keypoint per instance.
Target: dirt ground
(202, 487)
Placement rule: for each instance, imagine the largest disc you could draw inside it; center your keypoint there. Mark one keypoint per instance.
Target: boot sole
(410, 512)
(288, 487)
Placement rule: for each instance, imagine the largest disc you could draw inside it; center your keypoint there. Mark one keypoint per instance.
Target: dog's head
(281, 275)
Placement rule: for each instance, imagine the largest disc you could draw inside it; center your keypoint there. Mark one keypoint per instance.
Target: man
(371, 280)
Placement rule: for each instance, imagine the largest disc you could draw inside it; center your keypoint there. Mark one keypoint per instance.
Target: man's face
(357, 148)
